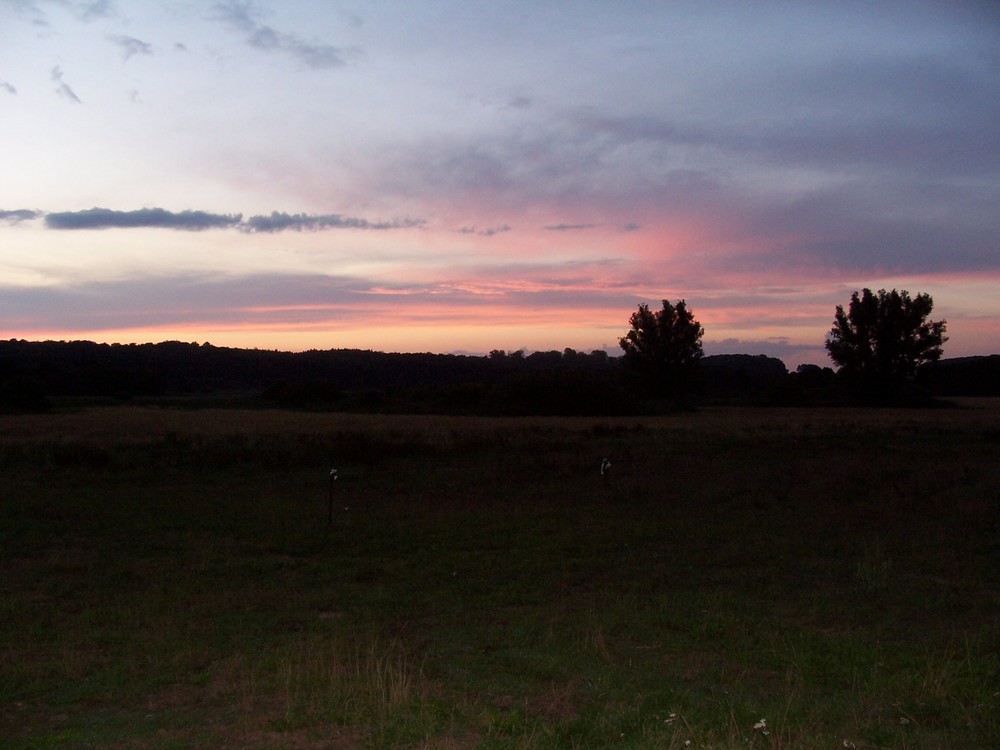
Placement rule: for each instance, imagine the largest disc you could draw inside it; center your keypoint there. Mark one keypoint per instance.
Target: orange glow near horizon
(558, 308)
(424, 337)
(458, 334)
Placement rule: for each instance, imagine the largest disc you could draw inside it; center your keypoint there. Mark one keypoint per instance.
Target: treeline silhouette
(37, 375)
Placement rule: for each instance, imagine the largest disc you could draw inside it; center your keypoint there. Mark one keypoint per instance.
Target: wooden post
(329, 510)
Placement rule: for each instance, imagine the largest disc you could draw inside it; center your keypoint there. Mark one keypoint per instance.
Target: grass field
(747, 578)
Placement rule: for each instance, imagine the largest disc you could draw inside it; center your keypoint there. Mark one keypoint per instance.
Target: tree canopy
(881, 339)
(665, 343)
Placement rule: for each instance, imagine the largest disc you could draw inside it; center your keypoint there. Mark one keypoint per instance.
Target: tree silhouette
(665, 344)
(880, 340)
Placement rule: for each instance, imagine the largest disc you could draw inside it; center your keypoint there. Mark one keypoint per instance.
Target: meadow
(743, 578)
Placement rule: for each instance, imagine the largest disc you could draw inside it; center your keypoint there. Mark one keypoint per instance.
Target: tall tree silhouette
(665, 344)
(880, 340)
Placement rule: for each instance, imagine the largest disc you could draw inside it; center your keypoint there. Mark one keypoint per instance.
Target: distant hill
(755, 365)
(33, 374)
(84, 368)
(962, 376)
(745, 378)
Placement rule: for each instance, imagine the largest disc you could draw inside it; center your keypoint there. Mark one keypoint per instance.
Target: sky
(469, 176)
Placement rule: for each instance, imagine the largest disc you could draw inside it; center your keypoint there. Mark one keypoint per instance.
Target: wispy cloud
(18, 215)
(9, 88)
(182, 299)
(130, 46)
(288, 300)
(569, 227)
(93, 11)
(241, 15)
(63, 88)
(280, 222)
(487, 232)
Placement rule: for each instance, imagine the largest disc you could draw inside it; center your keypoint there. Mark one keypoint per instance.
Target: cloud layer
(159, 218)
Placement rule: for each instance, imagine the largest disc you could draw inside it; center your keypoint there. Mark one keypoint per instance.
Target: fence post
(329, 510)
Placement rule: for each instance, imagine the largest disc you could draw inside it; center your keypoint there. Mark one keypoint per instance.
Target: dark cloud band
(105, 218)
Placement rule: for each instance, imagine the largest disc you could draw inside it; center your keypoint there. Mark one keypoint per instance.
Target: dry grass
(168, 579)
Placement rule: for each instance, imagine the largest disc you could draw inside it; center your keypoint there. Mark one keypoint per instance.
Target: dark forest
(35, 376)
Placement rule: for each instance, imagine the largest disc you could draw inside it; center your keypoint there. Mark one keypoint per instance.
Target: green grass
(169, 580)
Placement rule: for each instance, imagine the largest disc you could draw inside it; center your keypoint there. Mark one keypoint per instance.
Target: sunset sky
(467, 176)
